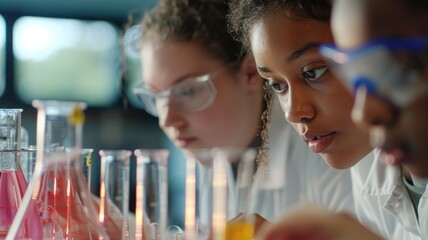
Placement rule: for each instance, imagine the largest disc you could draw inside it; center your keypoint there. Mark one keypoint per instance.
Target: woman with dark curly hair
(284, 37)
(207, 93)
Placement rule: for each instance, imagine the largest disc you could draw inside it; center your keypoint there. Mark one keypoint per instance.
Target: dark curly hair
(242, 17)
(201, 21)
(245, 13)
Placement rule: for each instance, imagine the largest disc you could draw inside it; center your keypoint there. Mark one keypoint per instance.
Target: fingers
(311, 223)
(303, 223)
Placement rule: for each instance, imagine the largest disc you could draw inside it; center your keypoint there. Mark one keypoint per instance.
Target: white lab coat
(423, 215)
(383, 203)
(296, 175)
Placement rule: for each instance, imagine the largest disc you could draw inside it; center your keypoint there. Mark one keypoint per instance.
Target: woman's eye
(188, 92)
(279, 87)
(315, 73)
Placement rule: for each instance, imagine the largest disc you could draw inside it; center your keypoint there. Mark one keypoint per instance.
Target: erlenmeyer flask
(12, 180)
(114, 193)
(63, 199)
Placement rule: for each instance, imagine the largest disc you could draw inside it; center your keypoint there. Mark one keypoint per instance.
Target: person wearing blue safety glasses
(207, 93)
(381, 57)
(381, 54)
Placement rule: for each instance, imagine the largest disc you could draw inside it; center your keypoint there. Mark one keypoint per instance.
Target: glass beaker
(199, 193)
(219, 193)
(114, 192)
(234, 183)
(151, 209)
(58, 185)
(12, 179)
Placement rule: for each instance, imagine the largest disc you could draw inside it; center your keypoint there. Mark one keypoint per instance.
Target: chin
(337, 162)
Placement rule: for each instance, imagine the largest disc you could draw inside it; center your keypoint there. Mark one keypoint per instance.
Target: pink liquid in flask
(63, 206)
(12, 188)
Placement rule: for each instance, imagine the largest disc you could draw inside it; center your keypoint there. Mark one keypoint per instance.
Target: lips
(319, 142)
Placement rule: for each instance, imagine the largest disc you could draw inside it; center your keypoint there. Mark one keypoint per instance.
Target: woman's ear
(249, 71)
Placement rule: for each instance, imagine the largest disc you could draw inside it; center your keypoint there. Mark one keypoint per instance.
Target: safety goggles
(389, 68)
(190, 95)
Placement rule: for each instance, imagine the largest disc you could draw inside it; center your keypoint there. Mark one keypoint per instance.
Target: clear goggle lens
(191, 95)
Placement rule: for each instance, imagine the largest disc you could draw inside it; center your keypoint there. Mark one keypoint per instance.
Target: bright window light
(67, 59)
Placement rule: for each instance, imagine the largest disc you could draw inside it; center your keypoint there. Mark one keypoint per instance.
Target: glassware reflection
(151, 212)
(114, 193)
(57, 185)
(220, 188)
(12, 180)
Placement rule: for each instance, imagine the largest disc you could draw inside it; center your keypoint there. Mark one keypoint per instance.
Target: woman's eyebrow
(300, 51)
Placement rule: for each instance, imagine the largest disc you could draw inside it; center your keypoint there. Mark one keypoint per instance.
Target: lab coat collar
(423, 214)
(384, 180)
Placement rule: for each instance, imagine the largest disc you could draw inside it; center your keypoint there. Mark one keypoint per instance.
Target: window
(2, 54)
(67, 59)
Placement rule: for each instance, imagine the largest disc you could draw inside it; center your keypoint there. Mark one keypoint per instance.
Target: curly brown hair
(204, 22)
(245, 13)
(201, 21)
(262, 156)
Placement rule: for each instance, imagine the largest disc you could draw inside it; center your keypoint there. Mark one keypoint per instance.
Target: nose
(170, 117)
(298, 107)
(369, 111)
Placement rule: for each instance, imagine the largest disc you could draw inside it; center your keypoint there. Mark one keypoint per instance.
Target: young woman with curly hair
(285, 38)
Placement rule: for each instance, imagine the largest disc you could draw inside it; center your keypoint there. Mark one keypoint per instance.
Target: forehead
(277, 32)
(171, 54)
(354, 22)
(164, 64)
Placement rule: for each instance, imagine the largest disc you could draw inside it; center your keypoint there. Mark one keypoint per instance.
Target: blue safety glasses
(389, 68)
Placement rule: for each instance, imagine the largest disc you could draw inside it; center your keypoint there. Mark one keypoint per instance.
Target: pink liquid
(12, 188)
(64, 209)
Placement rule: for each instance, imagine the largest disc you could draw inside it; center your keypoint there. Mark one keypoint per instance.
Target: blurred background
(83, 50)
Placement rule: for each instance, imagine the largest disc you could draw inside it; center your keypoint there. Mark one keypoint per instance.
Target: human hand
(312, 223)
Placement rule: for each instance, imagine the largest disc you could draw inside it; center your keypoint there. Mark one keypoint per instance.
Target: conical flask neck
(63, 124)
